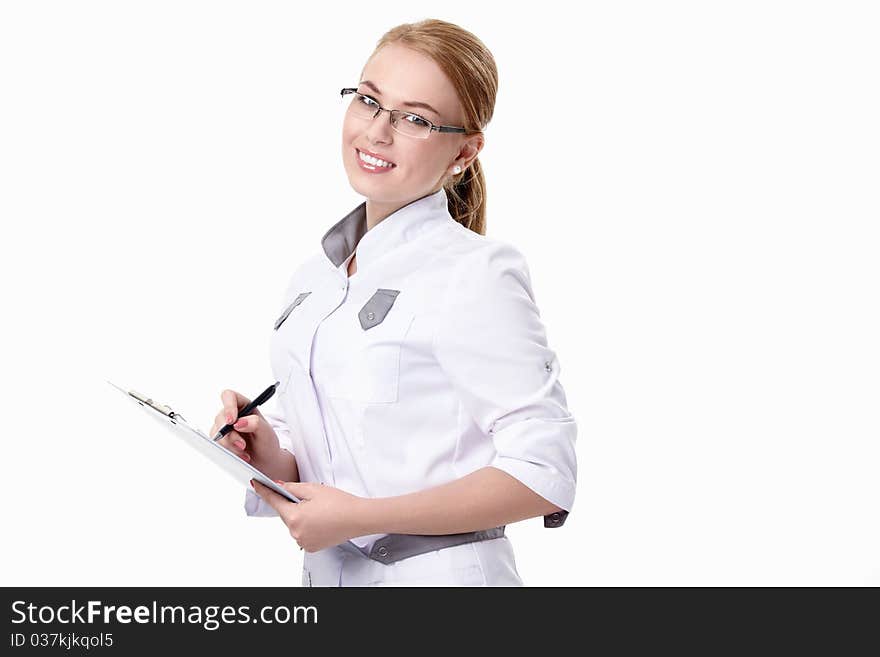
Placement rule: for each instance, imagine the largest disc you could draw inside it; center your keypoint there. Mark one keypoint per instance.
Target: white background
(695, 187)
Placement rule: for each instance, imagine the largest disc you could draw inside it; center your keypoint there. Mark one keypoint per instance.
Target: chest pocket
(372, 374)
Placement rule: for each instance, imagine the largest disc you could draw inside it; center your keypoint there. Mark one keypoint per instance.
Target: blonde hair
(469, 65)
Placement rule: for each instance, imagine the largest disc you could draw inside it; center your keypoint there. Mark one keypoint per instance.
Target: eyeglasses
(406, 123)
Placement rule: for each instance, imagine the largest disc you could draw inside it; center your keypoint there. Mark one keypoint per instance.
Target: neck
(379, 210)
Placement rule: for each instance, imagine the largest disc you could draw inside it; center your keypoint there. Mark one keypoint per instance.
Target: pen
(247, 410)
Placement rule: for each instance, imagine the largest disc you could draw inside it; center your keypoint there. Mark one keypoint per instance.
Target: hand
(325, 516)
(253, 439)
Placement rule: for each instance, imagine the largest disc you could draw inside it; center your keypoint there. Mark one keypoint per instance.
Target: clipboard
(240, 470)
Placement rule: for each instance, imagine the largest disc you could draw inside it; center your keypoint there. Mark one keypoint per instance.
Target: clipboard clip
(167, 411)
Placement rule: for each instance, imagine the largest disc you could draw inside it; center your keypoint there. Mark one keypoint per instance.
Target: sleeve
(491, 342)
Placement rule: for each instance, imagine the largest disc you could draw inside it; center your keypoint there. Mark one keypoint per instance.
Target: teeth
(369, 159)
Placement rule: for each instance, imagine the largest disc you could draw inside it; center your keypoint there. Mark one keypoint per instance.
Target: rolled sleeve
(492, 344)
(254, 505)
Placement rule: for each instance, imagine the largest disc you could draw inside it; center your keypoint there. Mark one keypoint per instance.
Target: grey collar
(344, 235)
(404, 224)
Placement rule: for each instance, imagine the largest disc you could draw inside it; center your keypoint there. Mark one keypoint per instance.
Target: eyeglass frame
(433, 127)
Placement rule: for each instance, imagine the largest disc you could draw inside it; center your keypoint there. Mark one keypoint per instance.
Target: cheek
(350, 131)
(348, 139)
(348, 134)
(429, 157)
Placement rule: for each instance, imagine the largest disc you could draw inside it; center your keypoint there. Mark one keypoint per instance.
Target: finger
(300, 490)
(231, 438)
(273, 499)
(236, 444)
(246, 424)
(219, 421)
(232, 401)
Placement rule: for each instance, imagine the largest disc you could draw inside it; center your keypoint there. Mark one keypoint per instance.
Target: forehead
(405, 75)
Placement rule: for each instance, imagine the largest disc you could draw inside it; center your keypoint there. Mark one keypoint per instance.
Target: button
(371, 316)
(383, 551)
(547, 366)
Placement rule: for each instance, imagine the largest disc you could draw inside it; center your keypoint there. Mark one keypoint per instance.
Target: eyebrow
(413, 103)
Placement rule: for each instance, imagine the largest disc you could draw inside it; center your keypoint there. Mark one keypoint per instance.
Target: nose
(379, 128)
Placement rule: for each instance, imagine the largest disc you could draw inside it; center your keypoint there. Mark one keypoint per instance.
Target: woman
(419, 407)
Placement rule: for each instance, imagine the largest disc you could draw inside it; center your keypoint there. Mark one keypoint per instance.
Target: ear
(470, 148)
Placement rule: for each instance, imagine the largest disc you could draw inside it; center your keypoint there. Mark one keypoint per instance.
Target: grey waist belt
(395, 547)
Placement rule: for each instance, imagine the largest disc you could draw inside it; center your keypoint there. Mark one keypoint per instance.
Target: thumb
(302, 490)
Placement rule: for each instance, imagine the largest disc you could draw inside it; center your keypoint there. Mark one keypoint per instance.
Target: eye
(416, 119)
(369, 102)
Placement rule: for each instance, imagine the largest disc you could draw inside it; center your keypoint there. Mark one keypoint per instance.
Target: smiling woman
(420, 406)
(406, 88)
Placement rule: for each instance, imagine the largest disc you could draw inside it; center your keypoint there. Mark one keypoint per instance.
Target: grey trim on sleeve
(556, 519)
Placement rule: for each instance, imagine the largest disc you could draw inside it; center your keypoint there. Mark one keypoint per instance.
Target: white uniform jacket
(429, 363)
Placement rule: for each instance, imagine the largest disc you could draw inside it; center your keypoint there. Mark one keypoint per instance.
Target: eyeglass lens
(405, 123)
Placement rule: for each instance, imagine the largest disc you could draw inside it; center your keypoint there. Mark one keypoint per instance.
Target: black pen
(247, 410)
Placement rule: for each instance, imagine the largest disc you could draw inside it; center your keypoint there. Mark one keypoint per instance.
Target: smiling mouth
(372, 161)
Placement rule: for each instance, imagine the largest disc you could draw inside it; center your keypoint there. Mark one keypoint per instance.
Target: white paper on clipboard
(240, 470)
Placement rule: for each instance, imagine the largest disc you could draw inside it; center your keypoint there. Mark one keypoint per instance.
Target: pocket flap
(377, 307)
(287, 311)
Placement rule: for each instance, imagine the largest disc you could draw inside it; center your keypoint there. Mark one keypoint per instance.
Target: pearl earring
(456, 169)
